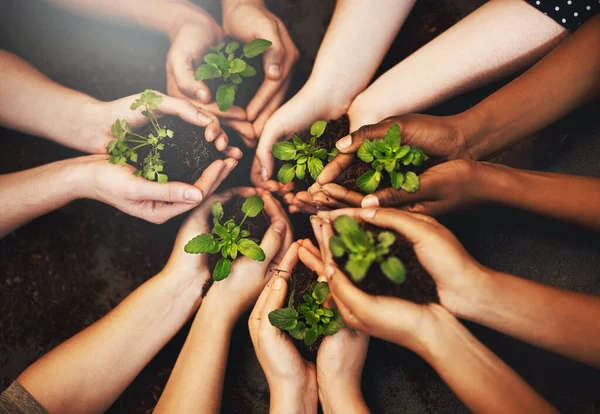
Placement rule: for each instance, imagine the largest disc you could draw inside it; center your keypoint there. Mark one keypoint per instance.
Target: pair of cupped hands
(336, 377)
(192, 34)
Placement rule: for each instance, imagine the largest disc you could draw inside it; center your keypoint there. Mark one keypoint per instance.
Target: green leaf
(218, 47)
(321, 292)
(365, 152)
(311, 336)
(217, 210)
(202, 243)
(298, 331)
(317, 129)
(252, 206)
(386, 238)
(369, 181)
(137, 173)
(397, 179)
(236, 78)
(286, 173)
(337, 246)
(394, 269)
(248, 72)
(311, 318)
(148, 97)
(286, 318)
(162, 178)
(250, 249)
(221, 230)
(222, 270)
(315, 166)
(335, 324)
(301, 171)
(223, 63)
(237, 66)
(407, 160)
(256, 47)
(225, 97)
(404, 149)
(334, 152)
(211, 58)
(321, 154)
(393, 136)
(284, 151)
(358, 268)
(411, 182)
(232, 47)
(344, 224)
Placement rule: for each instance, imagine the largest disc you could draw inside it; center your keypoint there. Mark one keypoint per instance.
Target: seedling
(126, 143)
(363, 250)
(229, 238)
(388, 154)
(225, 65)
(305, 155)
(310, 319)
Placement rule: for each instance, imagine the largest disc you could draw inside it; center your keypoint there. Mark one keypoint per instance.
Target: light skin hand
(292, 380)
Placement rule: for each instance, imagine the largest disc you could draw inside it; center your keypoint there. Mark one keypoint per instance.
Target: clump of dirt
(187, 154)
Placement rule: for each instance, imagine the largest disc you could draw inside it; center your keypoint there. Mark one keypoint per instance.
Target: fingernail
(329, 271)
(344, 142)
(370, 201)
(201, 94)
(368, 213)
(204, 118)
(279, 227)
(193, 194)
(274, 70)
(264, 174)
(278, 284)
(313, 218)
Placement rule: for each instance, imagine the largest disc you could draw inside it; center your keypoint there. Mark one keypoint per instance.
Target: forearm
(482, 381)
(565, 79)
(560, 321)
(516, 35)
(564, 197)
(342, 399)
(296, 398)
(196, 382)
(32, 103)
(89, 371)
(28, 194)
(358, 37)
(163, 15)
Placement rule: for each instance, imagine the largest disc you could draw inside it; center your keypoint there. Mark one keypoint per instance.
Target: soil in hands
(187, 154)
(419, 286)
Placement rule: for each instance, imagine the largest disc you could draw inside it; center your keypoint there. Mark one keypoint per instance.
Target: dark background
(67, 269)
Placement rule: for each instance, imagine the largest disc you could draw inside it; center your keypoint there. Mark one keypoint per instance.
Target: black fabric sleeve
(17, 400)
(568, 13)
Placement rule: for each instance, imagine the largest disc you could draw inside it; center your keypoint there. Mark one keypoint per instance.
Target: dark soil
(419, 286)
(187, 154)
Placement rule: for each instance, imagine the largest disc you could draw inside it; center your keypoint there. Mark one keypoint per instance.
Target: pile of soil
(187, 154)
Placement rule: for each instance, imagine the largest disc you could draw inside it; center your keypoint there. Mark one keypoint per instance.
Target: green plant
(310, 319)
(305, 155)
(363, 250)
(126, 143)
(229, 238)
(230, 68)
(390, 155)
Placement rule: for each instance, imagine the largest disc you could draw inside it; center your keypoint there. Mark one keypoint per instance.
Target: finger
(271, 107)
(229, 165)
(290, 259)
(308, 244)
(390, 197)
(429, 208)
(289, 198)
(209, 176)
(274, 301)
(324, 201)
(222, 141)
(316, 224)
(343, 195)
(334, 168)
(257, 312)
(413, 226)
(235, 112)
(326, 234)
(303, 208)
(245, 129)
(272, 241)
(196, 222)
(351, 143)
(181, 67)
(310, 260)
(233, 152)
(174, 192)
(276, 213)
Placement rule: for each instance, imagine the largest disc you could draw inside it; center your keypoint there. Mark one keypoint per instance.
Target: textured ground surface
(63, 271)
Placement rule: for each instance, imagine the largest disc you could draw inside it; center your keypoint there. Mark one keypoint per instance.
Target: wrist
(476, 132)
(341, 398)
(179, 13)
(227, 310)
(329, 101)
(298, 397)
(76, 177)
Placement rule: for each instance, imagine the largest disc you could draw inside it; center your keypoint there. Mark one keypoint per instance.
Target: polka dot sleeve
(568, 13)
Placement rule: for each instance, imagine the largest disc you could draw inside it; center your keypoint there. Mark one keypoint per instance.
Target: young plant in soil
(304, 155)
(229, 238)
(363, 250)
(224, 64)
(390, 155)
(310, 319)
(127, 143)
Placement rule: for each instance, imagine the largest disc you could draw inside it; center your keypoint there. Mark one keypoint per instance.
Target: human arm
(559, 321)
(196, 382)
(347, 60)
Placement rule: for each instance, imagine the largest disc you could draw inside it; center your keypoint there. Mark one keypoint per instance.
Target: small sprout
(310, 319)
(388, 154)
(363, 250)
(305, 155)
(222, 63)
(126, 143)
(228, 238)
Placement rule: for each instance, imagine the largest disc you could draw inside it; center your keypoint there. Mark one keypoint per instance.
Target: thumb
(169, 192)
(264, 157)
(351, 143)
(271, 242)
(391, 197)
(274, 55)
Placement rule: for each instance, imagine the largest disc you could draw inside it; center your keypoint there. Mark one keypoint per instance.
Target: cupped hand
(117, 186)
(248, 277)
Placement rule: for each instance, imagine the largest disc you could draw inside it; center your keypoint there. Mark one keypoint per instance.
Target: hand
(248, 22)
(117, 186)
(248, 277)
(292, 380)
(102, 115)
(457, 275)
